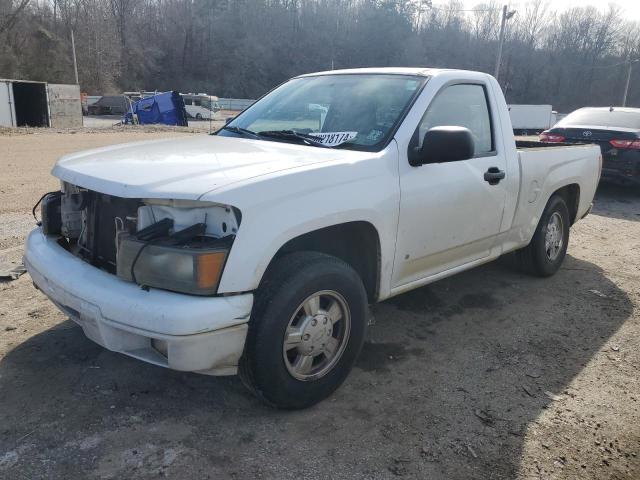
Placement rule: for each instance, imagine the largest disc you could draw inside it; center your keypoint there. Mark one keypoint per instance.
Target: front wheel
(306, 330)
(545, 254)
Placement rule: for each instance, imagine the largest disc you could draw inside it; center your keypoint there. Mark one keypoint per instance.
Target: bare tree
(10, 13)
(244, 47)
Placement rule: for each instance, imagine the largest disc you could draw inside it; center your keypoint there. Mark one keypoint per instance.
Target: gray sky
(631, 7)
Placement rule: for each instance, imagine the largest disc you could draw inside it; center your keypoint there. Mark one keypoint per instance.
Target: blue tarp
(166, 108)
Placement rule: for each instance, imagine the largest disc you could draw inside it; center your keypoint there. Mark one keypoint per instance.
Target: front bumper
(181, 332)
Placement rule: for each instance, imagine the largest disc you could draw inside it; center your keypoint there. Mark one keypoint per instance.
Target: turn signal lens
(209, 269)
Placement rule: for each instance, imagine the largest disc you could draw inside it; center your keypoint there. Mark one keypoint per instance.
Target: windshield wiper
(241, 131)
(289, 134)
(284, 134)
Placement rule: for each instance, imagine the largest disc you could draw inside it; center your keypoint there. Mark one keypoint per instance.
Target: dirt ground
(108, 121)
(487, 375)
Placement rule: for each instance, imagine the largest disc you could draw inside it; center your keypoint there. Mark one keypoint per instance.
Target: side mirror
(443, 144)
(228, 120)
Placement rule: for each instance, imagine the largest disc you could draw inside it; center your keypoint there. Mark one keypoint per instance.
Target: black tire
(534, 258)
(198, 116)
(294, 278)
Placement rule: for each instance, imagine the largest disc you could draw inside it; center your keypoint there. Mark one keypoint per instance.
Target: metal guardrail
(234, 103)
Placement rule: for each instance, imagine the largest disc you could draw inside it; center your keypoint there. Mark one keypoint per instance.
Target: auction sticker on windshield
(332, 139)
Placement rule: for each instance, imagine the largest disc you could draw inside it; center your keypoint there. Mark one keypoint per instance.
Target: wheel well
(355, 243)
(571, 195)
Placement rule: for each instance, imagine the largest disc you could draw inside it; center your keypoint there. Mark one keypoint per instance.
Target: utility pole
(75, 62)
(506, 15)
(626, 87)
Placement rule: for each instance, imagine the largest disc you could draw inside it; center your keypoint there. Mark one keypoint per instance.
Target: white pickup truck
(257, 250)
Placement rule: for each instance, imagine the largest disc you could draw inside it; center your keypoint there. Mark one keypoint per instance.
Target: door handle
(494, 175)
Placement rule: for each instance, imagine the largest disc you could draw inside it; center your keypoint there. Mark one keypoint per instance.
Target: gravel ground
(111, 121)
(486, 375)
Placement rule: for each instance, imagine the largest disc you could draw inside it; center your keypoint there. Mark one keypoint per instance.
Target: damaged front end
(175, 245)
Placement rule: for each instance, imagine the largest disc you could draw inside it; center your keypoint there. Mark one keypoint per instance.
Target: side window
(463, 105)
(187, 101)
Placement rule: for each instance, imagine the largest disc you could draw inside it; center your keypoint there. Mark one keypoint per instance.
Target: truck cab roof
(421, 71)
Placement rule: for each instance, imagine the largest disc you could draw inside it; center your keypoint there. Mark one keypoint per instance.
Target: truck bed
(546, 167)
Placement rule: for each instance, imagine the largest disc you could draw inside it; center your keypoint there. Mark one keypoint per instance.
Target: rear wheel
(306, 330)
(545, 254)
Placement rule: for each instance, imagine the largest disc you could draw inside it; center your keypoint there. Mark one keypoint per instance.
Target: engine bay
(93, 225)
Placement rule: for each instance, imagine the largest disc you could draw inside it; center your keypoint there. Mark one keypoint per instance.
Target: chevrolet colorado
(256, 250)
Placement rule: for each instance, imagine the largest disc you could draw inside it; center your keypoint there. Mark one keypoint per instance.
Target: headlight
(184, 269)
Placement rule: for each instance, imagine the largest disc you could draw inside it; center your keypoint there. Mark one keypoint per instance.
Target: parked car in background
(615, 129)
(256, 250)
(109, 105)
(531, 119)
(87, 101)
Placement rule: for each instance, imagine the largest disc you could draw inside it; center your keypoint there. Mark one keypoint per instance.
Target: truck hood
(184, 168)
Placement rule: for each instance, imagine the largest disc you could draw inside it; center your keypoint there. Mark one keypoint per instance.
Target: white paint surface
(432, 221)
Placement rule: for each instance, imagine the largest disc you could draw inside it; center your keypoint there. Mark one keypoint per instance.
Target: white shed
(39, 104)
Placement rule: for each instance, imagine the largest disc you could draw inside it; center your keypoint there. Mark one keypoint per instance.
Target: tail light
(551, 137)
(626, 144)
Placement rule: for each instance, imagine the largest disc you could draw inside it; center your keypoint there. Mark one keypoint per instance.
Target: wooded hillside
(242, 48)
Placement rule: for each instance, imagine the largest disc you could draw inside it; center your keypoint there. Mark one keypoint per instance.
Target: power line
(430, 6)
(464, 10)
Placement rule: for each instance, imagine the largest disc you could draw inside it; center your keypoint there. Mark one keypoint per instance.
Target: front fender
(284, 206)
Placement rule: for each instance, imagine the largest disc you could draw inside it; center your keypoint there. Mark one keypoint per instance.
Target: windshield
(604, 118)
(358, 111)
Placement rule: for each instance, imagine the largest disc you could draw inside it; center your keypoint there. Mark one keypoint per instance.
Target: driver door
(449, 215)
